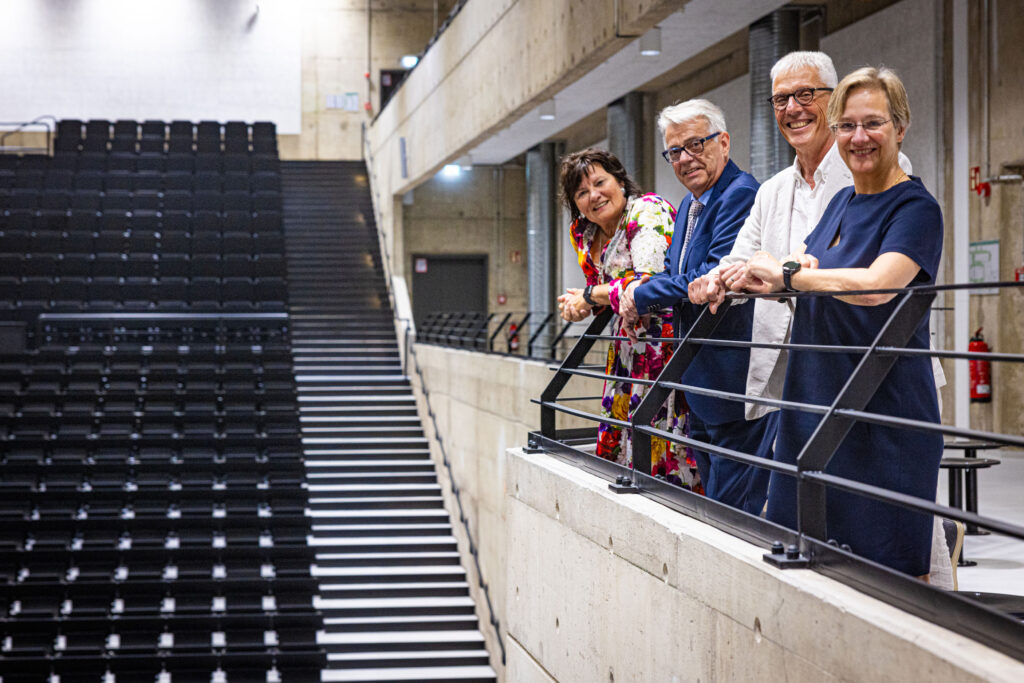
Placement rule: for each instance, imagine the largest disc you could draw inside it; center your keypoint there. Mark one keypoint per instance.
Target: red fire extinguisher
(513, 337)
(981, 371)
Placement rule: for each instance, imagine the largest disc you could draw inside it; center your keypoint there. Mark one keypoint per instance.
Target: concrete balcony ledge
(604, 587)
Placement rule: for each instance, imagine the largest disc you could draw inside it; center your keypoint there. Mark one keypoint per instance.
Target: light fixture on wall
(465, 163)
(547, 110)
(650, 43)
(409, 61)
(451, 171)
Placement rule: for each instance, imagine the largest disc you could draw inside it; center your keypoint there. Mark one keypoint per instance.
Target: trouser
(728, 481)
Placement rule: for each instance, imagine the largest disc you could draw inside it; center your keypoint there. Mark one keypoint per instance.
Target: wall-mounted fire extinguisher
(513, 337)
(981, 371)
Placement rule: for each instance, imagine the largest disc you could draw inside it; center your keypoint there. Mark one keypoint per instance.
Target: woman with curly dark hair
(621, 235)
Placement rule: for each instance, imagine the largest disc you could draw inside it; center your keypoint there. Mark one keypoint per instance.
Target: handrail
(470, 330)
(38, 121)
(809, 546)
(412, 360)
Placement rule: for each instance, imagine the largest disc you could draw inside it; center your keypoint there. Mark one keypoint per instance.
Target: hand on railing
(572, 307)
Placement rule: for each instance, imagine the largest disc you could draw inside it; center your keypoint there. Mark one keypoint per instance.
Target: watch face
(791, 266)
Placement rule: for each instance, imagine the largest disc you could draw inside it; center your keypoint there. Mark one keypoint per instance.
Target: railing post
(656, 395)
(573, 360)
(855, 394)
(536, 333)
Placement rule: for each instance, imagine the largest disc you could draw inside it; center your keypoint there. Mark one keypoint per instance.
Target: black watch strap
(789, 269)
(587, 295)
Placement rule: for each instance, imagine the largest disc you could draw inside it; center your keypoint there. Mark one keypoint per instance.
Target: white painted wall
(139, 59)
(734, 99)
(883, 39)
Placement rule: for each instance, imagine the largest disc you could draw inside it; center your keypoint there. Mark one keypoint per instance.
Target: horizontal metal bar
(922, 289)
(922, 426)
(582, 413)
(600, 375)
(881, 350)
(914, 503)
(756, 400)
(738, 456)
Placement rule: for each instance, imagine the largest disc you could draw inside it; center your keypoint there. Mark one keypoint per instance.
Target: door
(442, 282)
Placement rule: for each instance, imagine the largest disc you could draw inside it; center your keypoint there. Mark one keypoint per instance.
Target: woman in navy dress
(885, 232)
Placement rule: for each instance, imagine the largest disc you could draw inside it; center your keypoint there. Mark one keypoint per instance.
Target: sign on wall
(983, 258)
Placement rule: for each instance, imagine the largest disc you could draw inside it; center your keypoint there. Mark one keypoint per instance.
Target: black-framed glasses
(846, 128)
(693, 148)
(803, 96)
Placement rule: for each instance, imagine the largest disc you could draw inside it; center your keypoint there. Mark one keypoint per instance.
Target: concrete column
(541, 227)
(770, 38)
(626, 134)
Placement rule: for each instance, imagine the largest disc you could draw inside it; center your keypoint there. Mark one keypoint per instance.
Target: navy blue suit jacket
(720, 221)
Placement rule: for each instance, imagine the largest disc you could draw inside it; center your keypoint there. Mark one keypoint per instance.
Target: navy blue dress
(904, 219)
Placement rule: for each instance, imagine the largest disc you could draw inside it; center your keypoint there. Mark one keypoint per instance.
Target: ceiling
(684, 34)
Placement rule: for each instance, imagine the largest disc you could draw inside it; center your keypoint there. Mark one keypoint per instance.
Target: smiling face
(805, 127)
(600, 198)
(872, 157)
(698, 174)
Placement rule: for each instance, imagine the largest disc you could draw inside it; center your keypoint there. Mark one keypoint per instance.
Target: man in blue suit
(710, 216)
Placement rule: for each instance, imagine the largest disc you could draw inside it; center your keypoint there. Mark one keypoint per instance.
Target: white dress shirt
(786, 209)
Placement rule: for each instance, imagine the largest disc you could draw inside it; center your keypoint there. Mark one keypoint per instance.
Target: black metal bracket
(624, 484)
(787, 557)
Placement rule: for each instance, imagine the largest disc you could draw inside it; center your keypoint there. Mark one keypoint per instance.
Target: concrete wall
(496, 59)
(342, 41)
(606, 587)
(480, 211)
(1001, 215)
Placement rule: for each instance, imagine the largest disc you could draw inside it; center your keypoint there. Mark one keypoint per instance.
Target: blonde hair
(883, 79)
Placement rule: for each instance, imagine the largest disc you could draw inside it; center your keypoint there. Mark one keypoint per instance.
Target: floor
(1000, 558)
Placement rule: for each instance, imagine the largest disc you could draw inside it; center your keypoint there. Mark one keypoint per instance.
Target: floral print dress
(638, 247)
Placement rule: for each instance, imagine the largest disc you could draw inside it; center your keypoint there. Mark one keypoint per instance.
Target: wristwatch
(789, 269)
(586, 295)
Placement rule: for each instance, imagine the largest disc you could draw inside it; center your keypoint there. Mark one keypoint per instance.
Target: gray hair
(689, 110)
(816, 60)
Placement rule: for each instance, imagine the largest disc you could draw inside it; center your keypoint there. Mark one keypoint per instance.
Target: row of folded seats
(185, 201)
(99, 135)
(238, 295)
(151, 181)
(85, 221)
(138, 163)
(34, 244)
(152, 509)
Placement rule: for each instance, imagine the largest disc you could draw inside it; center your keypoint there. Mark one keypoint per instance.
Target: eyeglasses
(803, 96)
(693, 148)
(847, 128)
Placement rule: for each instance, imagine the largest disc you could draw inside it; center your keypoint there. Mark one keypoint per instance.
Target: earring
(623, 189)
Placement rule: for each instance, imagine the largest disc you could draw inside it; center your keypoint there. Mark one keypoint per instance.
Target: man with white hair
(719, 200)
(787, 208)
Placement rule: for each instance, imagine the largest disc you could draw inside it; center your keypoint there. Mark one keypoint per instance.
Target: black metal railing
(533, 334)
(971, 614)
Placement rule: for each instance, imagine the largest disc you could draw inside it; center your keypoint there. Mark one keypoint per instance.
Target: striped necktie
(691, 220)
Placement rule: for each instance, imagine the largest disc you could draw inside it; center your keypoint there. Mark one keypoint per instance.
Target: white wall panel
(139, 59)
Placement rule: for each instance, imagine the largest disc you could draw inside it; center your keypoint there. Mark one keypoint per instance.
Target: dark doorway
(441, 282)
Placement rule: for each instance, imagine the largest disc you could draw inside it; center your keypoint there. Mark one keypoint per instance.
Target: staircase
(394, 597)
